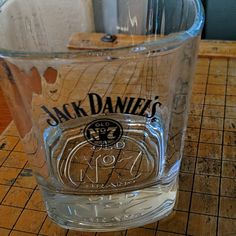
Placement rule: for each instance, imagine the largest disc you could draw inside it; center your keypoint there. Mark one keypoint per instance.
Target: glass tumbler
(99, 91)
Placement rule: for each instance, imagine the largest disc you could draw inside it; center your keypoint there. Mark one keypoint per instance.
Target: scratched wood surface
(207, 191)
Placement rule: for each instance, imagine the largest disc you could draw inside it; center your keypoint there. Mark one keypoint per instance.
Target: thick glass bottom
(112, 212)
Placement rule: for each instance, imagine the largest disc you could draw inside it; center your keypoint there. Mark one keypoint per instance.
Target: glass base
(112, 212)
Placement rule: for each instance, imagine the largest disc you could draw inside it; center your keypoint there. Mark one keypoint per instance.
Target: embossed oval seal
(103, 132)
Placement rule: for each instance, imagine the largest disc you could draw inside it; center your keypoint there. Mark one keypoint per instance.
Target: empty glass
(99, 91)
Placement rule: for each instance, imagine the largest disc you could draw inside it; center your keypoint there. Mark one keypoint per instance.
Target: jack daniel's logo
(98, 105)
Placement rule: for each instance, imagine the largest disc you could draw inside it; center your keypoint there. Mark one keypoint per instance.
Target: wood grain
(86, 41)
(223, 49)
(5, 117)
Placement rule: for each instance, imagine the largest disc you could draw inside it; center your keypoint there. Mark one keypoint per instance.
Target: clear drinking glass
(99, 91)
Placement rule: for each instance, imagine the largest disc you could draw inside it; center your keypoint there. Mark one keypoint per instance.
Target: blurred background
(220, 19)
(220, 16)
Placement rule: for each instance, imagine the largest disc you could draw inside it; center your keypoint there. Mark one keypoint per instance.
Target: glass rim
(162, 44)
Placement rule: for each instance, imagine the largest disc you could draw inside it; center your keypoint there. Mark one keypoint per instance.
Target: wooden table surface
(207, 192)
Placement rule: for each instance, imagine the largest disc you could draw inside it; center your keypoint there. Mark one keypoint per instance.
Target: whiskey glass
(99, 91)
